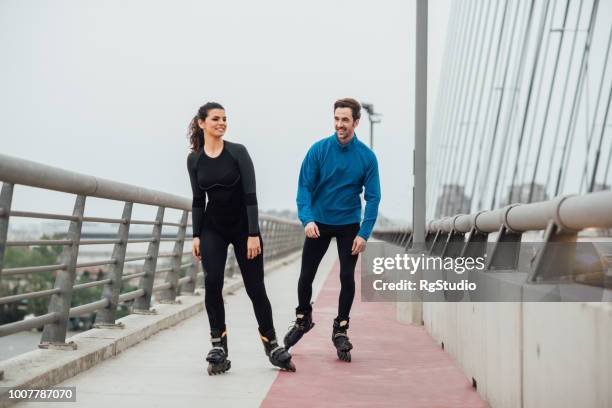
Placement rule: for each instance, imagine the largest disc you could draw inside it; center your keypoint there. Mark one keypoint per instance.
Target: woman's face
(215, 123)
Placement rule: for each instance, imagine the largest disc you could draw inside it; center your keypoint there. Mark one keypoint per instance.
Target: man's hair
(349, 103)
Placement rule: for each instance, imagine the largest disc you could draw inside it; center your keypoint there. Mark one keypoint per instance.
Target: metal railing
(561, 219)
(280, 237)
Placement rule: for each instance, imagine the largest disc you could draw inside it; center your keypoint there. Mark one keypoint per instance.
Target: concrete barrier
(529, 355)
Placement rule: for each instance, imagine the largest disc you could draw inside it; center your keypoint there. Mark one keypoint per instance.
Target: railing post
(476, 244)
(169, 295)
(273, 237)
(142, 305)
(438, 245)
(556, 258)
(106, 316)
(54, 334)
(230, 263)
(453, 245)
(505, 253)
(409, 243)
(283, 241)
(200, 276)
(6, 197)
(429, 239)
(192, 272)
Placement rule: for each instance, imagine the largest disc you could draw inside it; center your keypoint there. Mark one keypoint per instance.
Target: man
(333, 175)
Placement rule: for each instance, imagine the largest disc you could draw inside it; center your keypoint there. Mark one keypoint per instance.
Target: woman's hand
(195, 248)
(253, 247)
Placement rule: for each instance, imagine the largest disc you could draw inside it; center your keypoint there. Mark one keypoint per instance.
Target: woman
(223, 172)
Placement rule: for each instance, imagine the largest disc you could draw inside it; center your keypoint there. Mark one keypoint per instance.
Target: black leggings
(314, 250)
(213, 248)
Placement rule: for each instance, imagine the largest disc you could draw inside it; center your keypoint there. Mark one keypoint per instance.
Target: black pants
(214, 240)
(314, 250)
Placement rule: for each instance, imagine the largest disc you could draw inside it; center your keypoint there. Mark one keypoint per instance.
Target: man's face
(344, 124)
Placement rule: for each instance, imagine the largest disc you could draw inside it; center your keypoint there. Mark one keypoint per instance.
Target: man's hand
(311, 230)
(195, 248)
(359, 245)
(253, 247)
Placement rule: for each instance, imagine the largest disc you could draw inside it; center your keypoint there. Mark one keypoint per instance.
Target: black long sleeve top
(227, 181)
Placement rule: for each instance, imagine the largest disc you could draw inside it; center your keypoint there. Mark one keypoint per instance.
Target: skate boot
(217, 356)
(278, 356)
(341, 340)
(303, 324)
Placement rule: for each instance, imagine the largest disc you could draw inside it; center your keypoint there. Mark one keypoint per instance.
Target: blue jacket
(331, 180)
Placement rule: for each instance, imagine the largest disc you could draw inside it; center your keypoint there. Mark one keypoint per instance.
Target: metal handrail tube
(169, 254)
(133, 275)
(167, 239)
(136, 258)
(464, 222)
(88, 308)
(29, 324)
(172, 224)
(162, 286)
(48, 216)
(124, 297)
(489, 221)
(95, 263)
(162, 270)
(141, 222)
(32, 269)
(591, 210)
(570, 212)
(104, 220)
(91, 284)
(19, 171)
(267, 217)
(184, 280)
(186, 264)
(574, 213)
(447, 224)
(40, 242)
(143, 240)
(534, 216)
(99, 241)
(31, 295)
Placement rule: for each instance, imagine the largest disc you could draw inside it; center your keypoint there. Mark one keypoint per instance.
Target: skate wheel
(218, 369)
(345, 356)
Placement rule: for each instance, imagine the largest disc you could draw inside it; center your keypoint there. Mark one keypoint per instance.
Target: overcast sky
(108, 88)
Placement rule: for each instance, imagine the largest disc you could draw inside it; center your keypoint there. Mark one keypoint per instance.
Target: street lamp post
(373, 117)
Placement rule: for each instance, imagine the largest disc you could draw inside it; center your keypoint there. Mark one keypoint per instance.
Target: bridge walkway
(393, 364)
